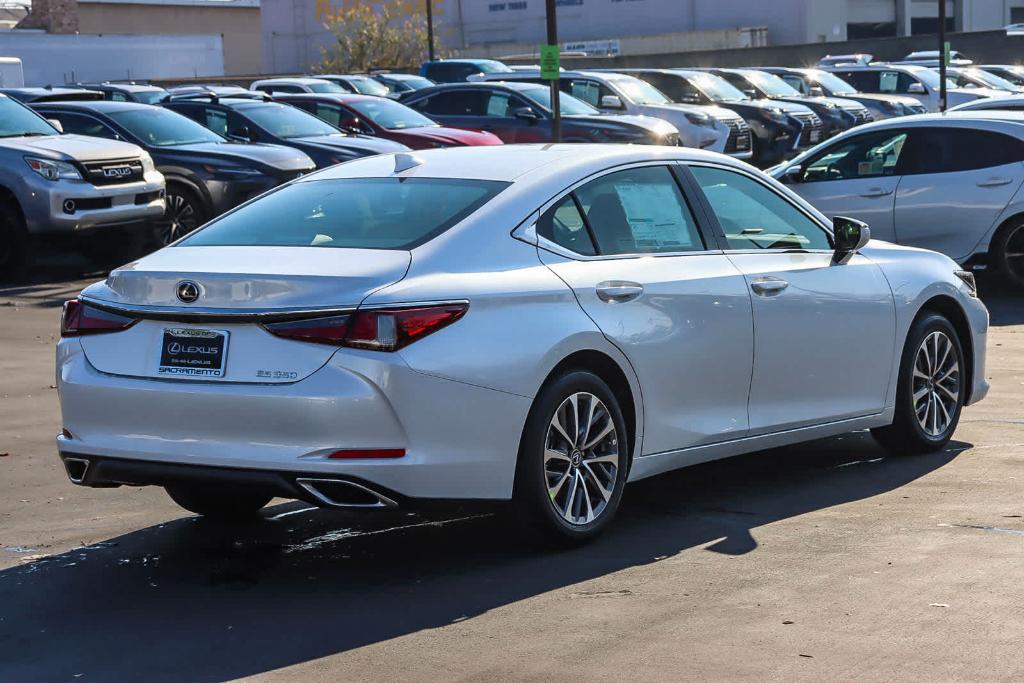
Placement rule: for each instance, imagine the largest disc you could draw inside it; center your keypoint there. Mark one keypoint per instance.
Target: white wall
(64, 58)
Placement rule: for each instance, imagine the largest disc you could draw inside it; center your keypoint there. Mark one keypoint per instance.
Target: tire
(185, 212)
(1007, 253)
(218, 502)
(15, 246)
(929, 395)
(570, 498)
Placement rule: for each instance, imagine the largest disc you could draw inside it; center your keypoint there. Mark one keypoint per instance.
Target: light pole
(943, 54)
(430, 30)
(556, 107)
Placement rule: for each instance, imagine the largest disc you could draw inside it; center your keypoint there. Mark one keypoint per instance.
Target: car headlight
(147, 163)
(53, 170)
(698, 119)
(968, 279)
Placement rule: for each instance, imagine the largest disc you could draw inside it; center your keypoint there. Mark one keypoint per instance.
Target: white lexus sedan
(534, 324)
(949, 182)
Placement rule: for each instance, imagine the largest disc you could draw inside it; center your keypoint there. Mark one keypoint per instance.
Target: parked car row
(220, 145)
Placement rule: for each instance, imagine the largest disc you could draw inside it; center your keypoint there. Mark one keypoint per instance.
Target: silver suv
(67, 186)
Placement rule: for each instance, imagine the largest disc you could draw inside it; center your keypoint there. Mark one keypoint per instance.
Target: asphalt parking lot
(822, 561)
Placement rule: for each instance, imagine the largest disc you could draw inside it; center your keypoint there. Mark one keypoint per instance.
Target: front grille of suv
(811, 134)
(739, 136)
(114, 171)
(862, 115)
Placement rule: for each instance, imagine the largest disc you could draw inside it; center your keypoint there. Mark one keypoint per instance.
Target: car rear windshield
(355, 213)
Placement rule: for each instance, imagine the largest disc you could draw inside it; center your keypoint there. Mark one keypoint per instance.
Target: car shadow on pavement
(194, 600)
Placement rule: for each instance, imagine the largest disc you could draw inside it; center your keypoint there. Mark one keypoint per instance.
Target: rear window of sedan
(353, 213)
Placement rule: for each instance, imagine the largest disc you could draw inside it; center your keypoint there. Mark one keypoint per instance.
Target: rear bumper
(461, 441)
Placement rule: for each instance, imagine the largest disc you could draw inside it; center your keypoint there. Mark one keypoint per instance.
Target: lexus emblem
(187, 291)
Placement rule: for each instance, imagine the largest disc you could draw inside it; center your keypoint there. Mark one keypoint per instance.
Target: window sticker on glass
(654, 215)
(888, 80)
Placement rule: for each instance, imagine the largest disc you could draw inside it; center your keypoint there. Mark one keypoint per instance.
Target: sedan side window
(639, 211)
(952, 150)
(865, 156)
(563, 224)
(753, 216)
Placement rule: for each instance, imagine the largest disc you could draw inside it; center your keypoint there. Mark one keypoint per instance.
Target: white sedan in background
(538, 324)
(951, 183)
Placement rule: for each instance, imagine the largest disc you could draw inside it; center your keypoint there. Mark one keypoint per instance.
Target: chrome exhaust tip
(76, 469)
(341, 493)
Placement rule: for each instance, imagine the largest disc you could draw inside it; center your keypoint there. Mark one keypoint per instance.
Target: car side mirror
(793, 174)
(750, 92)
(526, 114)
(240, 134)
(611, 102)
(816, 91)
(690, 99)
(56, 124)
(916, 89)
(848, 236)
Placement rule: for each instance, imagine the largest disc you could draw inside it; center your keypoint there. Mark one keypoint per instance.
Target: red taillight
(80, 318)
(382, 329)
(367, 453)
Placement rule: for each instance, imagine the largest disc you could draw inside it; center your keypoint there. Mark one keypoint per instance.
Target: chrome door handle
(767, 286)
(876, 192)
(995, 182)
(618, 292)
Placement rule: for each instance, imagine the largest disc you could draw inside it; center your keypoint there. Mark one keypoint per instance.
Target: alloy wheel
(936, 384)
(581, 458)
(180, 218)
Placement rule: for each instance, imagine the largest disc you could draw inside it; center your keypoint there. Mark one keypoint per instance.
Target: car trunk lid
(237, 288)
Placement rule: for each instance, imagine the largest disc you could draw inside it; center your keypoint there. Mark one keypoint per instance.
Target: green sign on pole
(549, 62)
(945, 52)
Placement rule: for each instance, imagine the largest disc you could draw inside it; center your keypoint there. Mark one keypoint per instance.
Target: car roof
(465, 61)
(343, 97)
(879, 66)
(298, 80)
(529, 163)
(510, 85)
(127, 87)
(100, 106)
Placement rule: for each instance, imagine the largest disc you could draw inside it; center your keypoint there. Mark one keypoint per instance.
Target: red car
(385, 118)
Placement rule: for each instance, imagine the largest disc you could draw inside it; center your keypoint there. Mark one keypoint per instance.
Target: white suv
(918, 82)
(951, 183)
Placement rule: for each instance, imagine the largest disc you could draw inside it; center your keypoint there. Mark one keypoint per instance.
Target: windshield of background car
(286, 121)
(414, 82)
(368, 86)
(149, 96)
(162, 127)
(717, 88)
(771, 84)
(16, 120)
(390, 114)
(931, 79)
(639, 91)
(987, 80)
(327, 87)
(569, 104)
(353, 213)
(491, 67)
(832, 83)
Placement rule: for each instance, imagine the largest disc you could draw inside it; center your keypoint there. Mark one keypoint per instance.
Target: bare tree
(368, 37)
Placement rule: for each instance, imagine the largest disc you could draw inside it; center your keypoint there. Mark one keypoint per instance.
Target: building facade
(293, 32)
